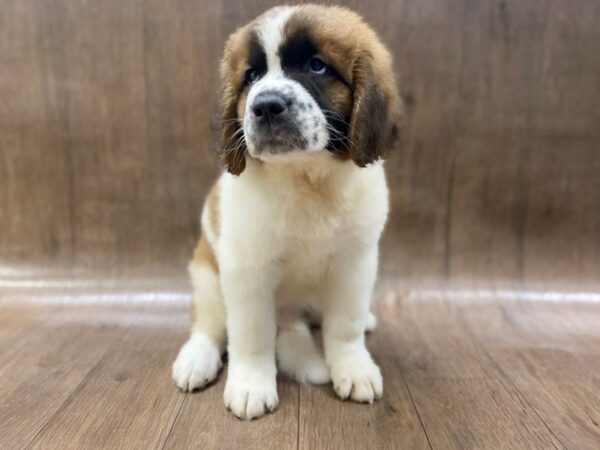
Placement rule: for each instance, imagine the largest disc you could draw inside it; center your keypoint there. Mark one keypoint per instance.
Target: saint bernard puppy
(309, 109)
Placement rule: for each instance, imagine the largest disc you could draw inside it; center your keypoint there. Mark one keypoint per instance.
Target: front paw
(357, 377)
(197, 364)
(250, 394)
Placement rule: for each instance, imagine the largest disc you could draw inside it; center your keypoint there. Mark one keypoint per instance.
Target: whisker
(227, 120)
(336, 116)
(239, 132)
(341, 137)
(235, 148)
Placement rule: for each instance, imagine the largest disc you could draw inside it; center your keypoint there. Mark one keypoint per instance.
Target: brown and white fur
(293, 224)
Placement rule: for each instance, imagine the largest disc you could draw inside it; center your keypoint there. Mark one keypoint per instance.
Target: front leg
(348, 291)
(251, 388)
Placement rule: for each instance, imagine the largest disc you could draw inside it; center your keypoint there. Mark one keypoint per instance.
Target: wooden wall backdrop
(105, 136)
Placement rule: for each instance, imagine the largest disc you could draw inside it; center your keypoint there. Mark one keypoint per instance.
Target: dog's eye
(251, 76)
(316, 65)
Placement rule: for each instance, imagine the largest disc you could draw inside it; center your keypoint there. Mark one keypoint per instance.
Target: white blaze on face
(304, 114)
(270, 33)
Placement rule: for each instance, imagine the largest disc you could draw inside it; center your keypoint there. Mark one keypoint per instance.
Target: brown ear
(376, 111)
(230, 145)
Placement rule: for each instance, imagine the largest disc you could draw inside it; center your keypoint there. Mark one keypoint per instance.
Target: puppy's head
(304, 80)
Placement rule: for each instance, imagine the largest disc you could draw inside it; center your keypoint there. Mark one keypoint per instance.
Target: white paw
(197, 363)
(357, 377)
(307, 370)
(299, 357)
(250, 394)
(314, 372)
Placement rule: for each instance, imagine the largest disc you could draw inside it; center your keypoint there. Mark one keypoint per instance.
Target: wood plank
(462, 397)
(426, 42)
(43, 369)
(461, 375)
(461, 414)
(428, 343)
(203, 422)
(15, 322)
(126, 400)
(551, 354)
(392, 422)
(570, 62)
(562, 218)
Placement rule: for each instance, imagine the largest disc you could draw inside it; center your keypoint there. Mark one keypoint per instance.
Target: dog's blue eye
(317, 66)
(251, 76)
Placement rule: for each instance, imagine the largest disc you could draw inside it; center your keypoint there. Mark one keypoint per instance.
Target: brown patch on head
(365, 92)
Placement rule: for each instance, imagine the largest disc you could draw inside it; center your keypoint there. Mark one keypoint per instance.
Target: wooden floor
(463, 369)
(491, 341)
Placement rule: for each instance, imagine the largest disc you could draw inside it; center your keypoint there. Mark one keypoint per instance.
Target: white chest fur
(299, 216)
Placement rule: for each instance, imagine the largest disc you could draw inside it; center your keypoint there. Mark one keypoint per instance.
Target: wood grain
(470, 373)
(490, 263)
(105, 135)
(326, 422)
(466, 401)
(40, 371)
(203, 422)
(127, 397)
(551, 356)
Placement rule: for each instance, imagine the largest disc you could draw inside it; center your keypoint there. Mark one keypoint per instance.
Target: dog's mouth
(278, 140)
(277, 146)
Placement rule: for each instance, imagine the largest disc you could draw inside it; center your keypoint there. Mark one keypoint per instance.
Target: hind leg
(199, 359)
(298, 355)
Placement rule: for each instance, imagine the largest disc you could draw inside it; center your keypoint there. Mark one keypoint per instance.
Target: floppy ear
(376, 111)
(230, 145)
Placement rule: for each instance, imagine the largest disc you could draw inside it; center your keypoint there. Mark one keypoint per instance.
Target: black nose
(269, 106)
